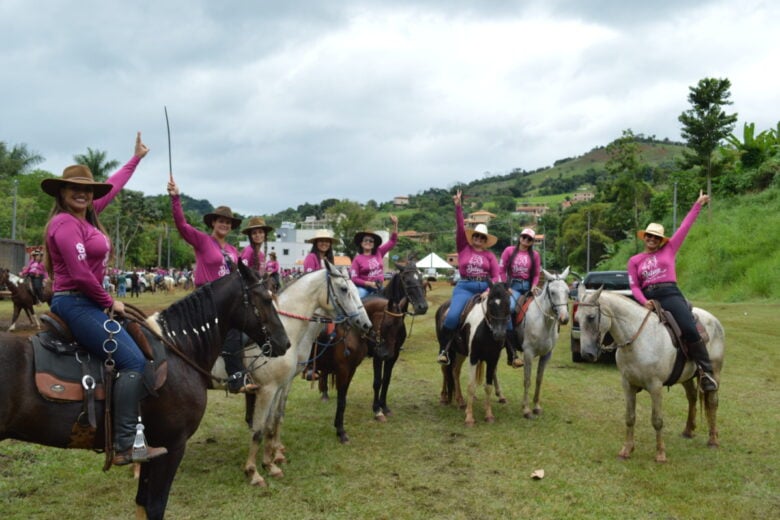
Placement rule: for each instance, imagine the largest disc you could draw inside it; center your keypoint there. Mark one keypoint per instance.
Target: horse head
(408, 283)
(593, 325)
(497, 311)
(344, 297)
(254, 312)
(556, 290)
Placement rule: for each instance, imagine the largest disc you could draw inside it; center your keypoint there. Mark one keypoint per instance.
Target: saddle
(667, 319)
(522, 307)
(66, 372)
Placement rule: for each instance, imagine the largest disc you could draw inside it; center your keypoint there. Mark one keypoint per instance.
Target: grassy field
(424, 463)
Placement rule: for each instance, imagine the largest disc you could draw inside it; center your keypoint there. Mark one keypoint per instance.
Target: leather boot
(697, 351)
(514, 349)
(128, 390)
(445, 340)
(234, 364)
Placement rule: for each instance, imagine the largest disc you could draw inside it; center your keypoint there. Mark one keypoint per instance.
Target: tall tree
(96, 161)
(706, 124)
(628, 189)
(17, 160)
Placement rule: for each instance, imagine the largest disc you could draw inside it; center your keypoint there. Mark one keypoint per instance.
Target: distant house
(532, 211)
(582, 196)
(415, 236)
(480, 217)
(400, 200)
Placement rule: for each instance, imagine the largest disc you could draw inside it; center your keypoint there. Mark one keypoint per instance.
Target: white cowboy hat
(655, 230)
(321, 234)
(482, 229)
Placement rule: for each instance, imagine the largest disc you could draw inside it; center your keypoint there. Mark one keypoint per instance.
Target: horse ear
(565, 272)
(547, 274)
(580, 291)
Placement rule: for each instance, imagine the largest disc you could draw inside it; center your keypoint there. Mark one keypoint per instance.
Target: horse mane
(189, 320)
(394, 291)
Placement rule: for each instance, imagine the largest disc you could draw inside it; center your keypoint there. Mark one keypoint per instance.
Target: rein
(636, 334)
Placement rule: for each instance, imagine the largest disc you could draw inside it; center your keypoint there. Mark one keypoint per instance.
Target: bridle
(598, 324)
(547, 294)
(494, 320)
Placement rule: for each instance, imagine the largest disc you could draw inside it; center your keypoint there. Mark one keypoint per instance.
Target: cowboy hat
(257, 223)
(360, 235)
(482, 229)
(76, 174)
(224, 212)
(528, 232)
(37, 252)
(655, 230)
(321, 234)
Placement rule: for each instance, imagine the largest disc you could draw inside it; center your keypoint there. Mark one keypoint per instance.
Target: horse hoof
(380, 417)
(537, 411)
(713, 444)
(275, 472)
(687, 435)
(387, 412)
(528, 415)
(502, 400)
(661, 459)
(490, 420)
(469, 424)
(343, 439)
(258, 482)
(324, 398)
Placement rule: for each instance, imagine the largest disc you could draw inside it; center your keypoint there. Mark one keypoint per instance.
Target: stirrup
(443, 358)
(704, 376)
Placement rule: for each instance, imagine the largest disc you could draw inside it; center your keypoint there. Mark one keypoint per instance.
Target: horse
(645, 358)
(339, 354)
(329, 291)
(193, 329)
(22, 298)
(540, 328)
(481, 340)
(405, 288)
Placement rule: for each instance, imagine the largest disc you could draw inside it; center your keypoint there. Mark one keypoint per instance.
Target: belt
(664, 285)
(521, 280)
(475, 279)
(67, 293)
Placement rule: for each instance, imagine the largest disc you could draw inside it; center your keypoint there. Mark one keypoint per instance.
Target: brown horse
(405, 288)
(22, 298)
(340, 354)
(193, 328)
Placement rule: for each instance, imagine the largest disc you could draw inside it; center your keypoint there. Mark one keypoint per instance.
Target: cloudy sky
(275, 104)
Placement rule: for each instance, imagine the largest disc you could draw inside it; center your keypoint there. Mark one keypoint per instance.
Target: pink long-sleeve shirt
(256, 262)
(210, 262)
(312, 263)
(34, 268)
(79, 251)
(659, 267)
(369, 268)
(521, 265)
(473, 263)
(272, 266)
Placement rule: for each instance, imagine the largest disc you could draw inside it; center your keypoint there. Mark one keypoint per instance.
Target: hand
(535, 290)
(703, 199)
(118, 307)
(140, 148)
(649, 305)
(394, 220)
(172, 188)
(457, 198)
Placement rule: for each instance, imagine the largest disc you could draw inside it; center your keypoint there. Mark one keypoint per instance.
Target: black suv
(613, 281)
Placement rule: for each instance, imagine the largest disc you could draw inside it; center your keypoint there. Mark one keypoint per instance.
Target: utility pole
(13, 215)
(587, 262)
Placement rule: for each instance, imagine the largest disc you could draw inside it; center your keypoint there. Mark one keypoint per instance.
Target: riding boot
(128, 390)
(514, 348)
(697, 351)
(444, 344)
(234, 364)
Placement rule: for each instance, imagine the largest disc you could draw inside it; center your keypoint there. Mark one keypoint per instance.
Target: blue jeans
(365, 291)
(86, 319)
(461, 294)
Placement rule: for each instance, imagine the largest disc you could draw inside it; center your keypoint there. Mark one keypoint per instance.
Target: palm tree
(96, 161)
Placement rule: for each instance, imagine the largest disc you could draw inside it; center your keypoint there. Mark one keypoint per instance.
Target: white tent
(433, 261)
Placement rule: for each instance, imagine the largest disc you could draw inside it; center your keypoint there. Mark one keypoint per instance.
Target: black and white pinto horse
(645, 357)
(480, 340)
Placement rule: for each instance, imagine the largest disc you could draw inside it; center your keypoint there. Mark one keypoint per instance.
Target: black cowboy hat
(361, 234)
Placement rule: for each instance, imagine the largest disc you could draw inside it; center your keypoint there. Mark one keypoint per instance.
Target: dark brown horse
(340, 353)
(196, 327)
(22, 298)
(405, 288)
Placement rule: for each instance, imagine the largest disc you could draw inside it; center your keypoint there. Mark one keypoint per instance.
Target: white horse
(645, 358)
(327, 291)
(540, 328)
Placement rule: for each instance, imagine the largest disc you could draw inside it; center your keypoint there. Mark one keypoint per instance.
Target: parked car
(612, 281)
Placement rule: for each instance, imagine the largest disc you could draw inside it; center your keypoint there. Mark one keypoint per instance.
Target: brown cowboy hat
(222, 211)
(257, 223)
(482, 229)
(655, 230)
(321, 234)
(362, 234)
(76, 174)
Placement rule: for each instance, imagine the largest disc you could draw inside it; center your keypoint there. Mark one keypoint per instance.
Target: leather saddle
(667, 319)
(64, 370)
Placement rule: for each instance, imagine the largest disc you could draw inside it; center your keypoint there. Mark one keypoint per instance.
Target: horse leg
(657, 418)
(497, 389)
(527, 374)
(445, 397)
(154, 484)
(690, 423)
(489, 381)
(457, 389)
(322, 386)
(630, 395)
(15, 317)
(470, 395)
(250, 467)
(274, 453)
(711, 410)
(343, 378)
(539, 377)
(386, 377)
(376, 406)
(259, 422)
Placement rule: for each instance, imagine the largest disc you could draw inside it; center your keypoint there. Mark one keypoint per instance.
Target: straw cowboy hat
(655, 230)
(76, 174)
(257, 223)
(528, 232)
(362, 234)
(321, 234)
(482, 229)
(222, 211)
